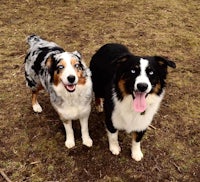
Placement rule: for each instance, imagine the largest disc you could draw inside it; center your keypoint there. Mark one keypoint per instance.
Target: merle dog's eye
(77, 66)
(60, 67)
(133, 71)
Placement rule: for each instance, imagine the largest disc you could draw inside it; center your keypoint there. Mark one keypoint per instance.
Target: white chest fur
(75, 105)
(125, 118)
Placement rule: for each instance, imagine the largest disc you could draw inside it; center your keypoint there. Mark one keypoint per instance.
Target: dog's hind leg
(36, 106)
(99, 104)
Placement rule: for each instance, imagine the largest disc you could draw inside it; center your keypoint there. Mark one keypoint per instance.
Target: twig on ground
(86, 171)
(21, 56)
(152, 127)
(35, 162)
(4, 176)
(177, 167)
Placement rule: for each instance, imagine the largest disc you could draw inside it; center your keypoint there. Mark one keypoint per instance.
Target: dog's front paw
(88, 142)
(137, 155)
(37, 108)
(69, 143)
(115, 149)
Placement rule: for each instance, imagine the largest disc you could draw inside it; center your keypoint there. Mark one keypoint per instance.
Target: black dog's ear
(165, 62)
(121, 59)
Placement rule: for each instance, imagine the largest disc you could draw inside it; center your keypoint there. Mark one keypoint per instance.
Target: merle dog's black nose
(71, 78)
(142, 87)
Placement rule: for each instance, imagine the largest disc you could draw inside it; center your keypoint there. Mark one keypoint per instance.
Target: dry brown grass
(32, 145)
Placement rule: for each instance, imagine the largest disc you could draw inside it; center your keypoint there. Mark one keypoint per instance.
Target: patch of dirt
(32, 145)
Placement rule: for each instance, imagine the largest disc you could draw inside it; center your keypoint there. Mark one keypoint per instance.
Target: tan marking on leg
(134, 136)
(99, 104)
(36, 106)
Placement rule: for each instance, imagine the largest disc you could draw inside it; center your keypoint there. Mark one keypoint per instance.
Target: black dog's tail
(33, 39)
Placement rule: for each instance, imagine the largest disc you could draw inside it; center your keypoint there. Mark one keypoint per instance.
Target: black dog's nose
(142, 87)
(71, 78)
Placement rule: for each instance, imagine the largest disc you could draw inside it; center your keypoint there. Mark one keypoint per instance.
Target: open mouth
(139, 102)
(70, 87)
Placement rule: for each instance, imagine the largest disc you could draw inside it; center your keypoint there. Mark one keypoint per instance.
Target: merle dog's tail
(33, 39)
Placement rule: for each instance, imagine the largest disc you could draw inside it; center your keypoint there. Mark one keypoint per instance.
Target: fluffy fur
(66, 78)
(132, 88)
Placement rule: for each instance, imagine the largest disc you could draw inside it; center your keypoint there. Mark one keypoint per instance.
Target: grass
(32, 145)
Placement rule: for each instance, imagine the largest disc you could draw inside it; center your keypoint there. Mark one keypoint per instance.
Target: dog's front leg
(69, 143)
(136, 152)
(113, 142)
(85, 132)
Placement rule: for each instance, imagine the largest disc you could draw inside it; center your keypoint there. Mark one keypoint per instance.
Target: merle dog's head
(68, 70)
(140, 76)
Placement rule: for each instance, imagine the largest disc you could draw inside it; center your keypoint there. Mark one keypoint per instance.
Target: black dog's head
(140, 76)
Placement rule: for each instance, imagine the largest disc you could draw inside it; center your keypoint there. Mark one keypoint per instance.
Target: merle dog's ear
(79, 57)
(165, 62)
(83, 66)
(51, 64)
(77, 54)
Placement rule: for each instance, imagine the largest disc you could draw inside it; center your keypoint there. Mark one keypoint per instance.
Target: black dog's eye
(133, 71)
(60, 67)
(150, 71)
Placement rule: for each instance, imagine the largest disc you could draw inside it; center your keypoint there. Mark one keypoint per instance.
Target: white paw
(115, 149)
(137, 155)
(88, 142)
(69, 143)
(37, 108)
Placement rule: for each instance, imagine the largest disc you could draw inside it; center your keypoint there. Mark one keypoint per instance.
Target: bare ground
(32, 145)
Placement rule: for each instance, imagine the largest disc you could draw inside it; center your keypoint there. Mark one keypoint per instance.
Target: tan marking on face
(121, 85)
(81, 79)
(157, 88)
(79, 72)
(58, 73)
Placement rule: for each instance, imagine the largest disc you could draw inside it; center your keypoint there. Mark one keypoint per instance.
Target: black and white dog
(132, 88)
(66, 78)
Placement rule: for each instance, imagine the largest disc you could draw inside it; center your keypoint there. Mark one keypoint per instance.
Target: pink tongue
(70, 87)
(139, 103)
